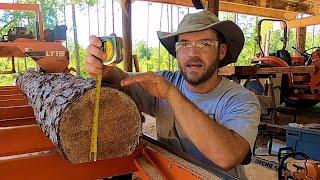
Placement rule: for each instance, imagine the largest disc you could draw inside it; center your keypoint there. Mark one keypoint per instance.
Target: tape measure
(95, 122)
(112, 46)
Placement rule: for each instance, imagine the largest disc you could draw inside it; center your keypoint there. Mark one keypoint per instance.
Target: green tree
(312, 39)
(81, 3)
(21, 65)
(142, 51)
(149, 57)
(14, 18)
(248, 26)
(73, 61)
(276, 41)
(292, 42)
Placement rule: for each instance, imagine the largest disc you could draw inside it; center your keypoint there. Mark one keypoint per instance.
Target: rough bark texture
(63, 106)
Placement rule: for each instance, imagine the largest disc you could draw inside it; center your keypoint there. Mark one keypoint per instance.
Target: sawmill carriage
(44, 46)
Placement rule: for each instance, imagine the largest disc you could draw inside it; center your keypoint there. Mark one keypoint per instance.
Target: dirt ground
(255, 171)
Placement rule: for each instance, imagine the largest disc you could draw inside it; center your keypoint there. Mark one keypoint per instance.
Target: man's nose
(193, 51)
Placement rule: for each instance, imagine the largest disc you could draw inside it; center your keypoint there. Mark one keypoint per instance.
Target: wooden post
(267, 43)
(277, 91)
(13, 65)
(301, 38)
(213, 6)
(136, 63)
(126, 35)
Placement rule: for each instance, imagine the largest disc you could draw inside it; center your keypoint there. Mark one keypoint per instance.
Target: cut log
(63, 106)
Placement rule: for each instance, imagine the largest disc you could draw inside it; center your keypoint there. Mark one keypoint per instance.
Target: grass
(7, 79)
(21, 65)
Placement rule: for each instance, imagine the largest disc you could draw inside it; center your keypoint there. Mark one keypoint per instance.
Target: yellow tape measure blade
(108, 46)
(95, 123)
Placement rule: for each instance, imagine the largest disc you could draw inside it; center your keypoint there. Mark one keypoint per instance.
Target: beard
(204, 76)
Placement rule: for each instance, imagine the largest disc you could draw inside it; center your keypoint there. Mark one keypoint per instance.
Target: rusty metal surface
(21, 139)
(15, 112)
(50, 165)
(18, 122)
(155, 155)
(10, 97)
(13, 102)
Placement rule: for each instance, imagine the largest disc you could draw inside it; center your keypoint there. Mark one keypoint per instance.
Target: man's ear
(223, 51)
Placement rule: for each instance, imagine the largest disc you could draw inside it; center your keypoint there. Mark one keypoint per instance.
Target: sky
(139, 20)
(140, 28)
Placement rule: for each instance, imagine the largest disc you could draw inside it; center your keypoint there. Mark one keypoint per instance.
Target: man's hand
(93, 62)
(155, 84)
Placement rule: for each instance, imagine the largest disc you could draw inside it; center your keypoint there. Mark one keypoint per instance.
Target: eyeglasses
(200, 45)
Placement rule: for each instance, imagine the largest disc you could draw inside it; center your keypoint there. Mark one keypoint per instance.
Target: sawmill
(57, 124)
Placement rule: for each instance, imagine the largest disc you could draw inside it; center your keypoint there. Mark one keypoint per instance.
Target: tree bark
(63, 106)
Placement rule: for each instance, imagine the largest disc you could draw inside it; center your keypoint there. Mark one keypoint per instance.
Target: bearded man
(196, 110)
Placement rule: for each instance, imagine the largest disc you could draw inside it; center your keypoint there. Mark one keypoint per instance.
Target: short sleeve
(242, 115)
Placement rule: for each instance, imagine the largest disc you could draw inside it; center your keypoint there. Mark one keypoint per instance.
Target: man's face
(197, 65)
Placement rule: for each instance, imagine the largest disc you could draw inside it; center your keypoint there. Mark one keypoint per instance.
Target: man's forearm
(219, 144)
(113, 75)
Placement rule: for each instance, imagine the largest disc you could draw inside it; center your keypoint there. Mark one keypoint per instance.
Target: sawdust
(149, 126)
(149, 169)
(256, 172)
(204, 174)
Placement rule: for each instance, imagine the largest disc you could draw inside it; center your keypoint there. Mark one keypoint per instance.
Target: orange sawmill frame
(52, 57)
(28, 7)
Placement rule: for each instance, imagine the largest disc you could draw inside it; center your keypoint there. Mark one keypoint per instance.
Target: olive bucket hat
(201, 21)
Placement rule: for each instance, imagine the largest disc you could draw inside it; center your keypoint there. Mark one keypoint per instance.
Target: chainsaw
(297, 169)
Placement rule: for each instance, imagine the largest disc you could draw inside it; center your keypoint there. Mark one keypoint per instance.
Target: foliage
(142, 51)
(84, 3)
(150, 58)
(72, 56)
(18, 18)
(292, 41)
(312, 40)
(11, 19)
(155, 59)
(21, 65)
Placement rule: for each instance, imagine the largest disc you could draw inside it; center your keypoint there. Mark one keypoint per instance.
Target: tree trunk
(65, 19)
(75, 36)
(89, 21)
(98, 20)
(63, 106)
(105, 18)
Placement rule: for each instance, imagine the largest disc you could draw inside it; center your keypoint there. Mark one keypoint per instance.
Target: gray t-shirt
(229, 104)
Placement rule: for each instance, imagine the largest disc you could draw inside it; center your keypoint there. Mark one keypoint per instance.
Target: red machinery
(300, 82)
(45, 48)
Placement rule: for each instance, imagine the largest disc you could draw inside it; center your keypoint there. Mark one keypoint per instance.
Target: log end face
(119, 126)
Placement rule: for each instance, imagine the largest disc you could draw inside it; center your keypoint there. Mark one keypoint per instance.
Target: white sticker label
(55, 53)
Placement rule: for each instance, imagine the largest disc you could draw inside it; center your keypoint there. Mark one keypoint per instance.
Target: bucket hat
(201, 21)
